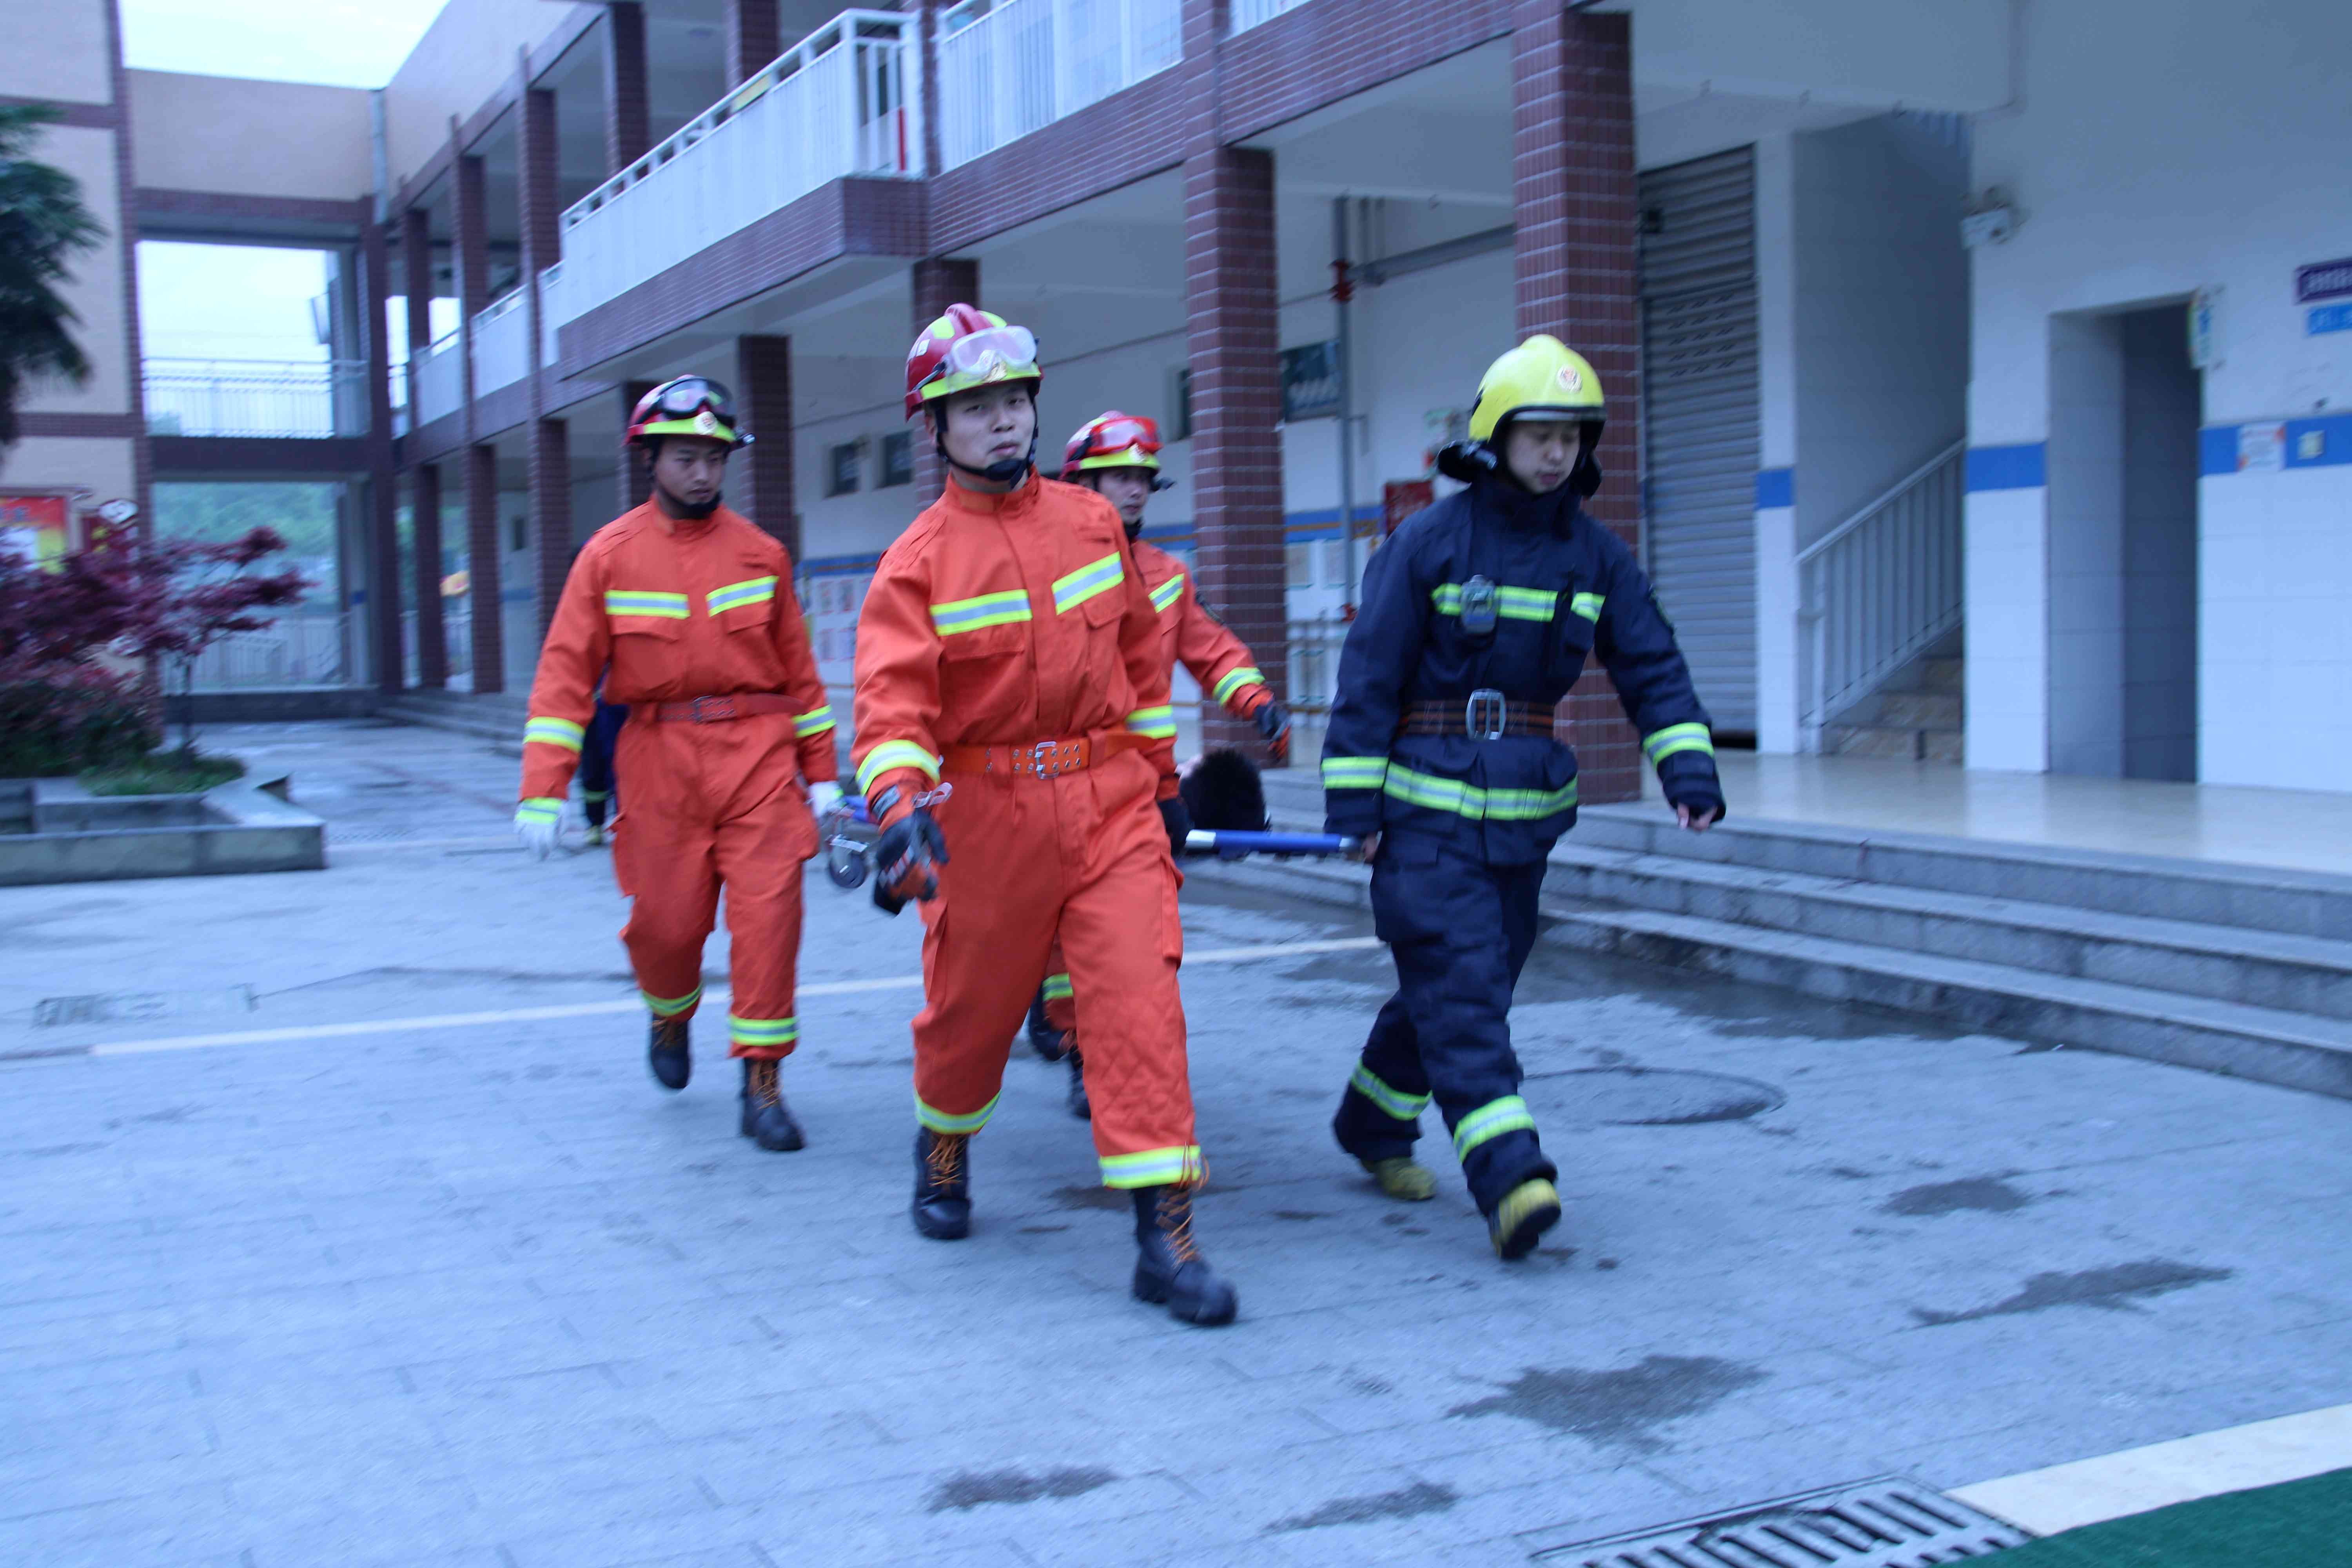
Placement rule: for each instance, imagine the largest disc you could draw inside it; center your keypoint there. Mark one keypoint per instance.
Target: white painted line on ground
(504, 840)
(2235, 1459)
(716, 994)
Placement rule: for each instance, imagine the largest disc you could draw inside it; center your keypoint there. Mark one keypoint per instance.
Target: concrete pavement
(479, 1294)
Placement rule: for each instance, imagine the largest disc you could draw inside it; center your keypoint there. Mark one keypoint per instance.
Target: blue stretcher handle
(1232, 844)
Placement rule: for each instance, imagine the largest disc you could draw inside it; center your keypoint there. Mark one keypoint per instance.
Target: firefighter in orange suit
(1116, 456)
(1017, 750)
(729, 748)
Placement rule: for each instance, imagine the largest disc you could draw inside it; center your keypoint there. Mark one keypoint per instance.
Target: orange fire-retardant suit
(1001, 621)
(1219, 661)
(680, 610)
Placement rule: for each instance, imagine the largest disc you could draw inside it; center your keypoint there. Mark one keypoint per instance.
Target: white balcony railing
(1010, 68)
(846, 100)
(256, 397)
(1248, 14)
(501, 345)
(295, 649)
(436, 381)
(1877, 591)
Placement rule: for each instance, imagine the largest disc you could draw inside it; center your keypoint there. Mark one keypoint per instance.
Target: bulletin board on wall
(36, 527)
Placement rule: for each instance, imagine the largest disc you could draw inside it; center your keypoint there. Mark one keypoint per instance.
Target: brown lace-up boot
(942, 1206)
(766, 1118)
(1169, 1267)
(666, 1054)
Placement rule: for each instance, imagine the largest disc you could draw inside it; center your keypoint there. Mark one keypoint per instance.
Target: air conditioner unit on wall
(1990, 219)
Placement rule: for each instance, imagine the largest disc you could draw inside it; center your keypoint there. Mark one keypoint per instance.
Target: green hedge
(61, 724)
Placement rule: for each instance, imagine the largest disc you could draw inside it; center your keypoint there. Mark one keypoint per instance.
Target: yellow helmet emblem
(705, 422)
(1542, 378)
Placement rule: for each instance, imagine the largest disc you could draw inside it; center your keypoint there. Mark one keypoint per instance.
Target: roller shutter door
(1700, 381)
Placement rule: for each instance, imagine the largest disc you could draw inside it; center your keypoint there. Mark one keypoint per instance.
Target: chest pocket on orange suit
(744, 606)
(983, 644)
(645, 627)
(1093, 592)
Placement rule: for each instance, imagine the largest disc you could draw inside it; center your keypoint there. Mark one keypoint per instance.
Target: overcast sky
(346, 43)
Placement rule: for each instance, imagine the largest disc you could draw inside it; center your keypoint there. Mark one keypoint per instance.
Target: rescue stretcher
(847, 835)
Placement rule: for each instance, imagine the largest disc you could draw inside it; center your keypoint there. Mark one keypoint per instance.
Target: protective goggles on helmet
(1121, 435)
(689, 405)
(993, 354)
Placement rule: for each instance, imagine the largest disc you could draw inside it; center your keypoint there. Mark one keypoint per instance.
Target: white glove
(823, 796)
(536, 823)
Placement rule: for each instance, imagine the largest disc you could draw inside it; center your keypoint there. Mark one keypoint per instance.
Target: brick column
(416, 269)
(384, 518)
(1233, 343)
(432, 641)
(484, 577)
(939, 283)
(754, 36)
(759, 476)
(550, 510)
(628, 130)
(472, 272)
(1572, 178)
(636, 485)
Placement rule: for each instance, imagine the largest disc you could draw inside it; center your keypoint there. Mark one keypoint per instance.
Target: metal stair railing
(1879, 589)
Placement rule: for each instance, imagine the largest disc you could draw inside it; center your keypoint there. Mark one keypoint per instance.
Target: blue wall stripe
(1775, 488)
(2329, 434)
(2217, 450)
(2019, 468)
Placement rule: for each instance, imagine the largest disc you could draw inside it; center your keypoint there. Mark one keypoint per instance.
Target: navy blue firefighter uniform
(1477, 616)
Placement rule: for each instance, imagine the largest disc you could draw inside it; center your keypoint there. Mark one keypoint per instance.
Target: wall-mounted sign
(2205, 329)
(2324, 281)
(2260, 447)
(2322, 319)
(36, 528)
(1311, 382)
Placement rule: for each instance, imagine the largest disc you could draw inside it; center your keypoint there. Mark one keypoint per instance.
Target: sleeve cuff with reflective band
(816, 723)
(940, 1121)
(736, 595)
(1433, 793)
(1095, 577)
(560, 732)
(1159, 723)
(1057, 988)
(1588, 605)
(988, 610)
(894, 754)
(1394, 1103)
(1676, 738)
(1510, 604)
(763, 1034)
(1154, 1168)
(540, 808)
(1355, 773)
(671, 1007)
(637, 602)
(1247, 675)
(1491, 1120)
(1167, 593)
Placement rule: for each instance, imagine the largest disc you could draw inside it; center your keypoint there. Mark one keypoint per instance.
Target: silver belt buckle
(1486, 700)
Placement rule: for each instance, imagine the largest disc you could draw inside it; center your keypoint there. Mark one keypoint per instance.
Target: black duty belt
(1485, 715)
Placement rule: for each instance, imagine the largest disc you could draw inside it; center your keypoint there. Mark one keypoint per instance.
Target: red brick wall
(637, 485)
(1234, 341)
(416, 269)
(1317, 54)
(754, 36)
(483, 556)
(424, 507)
(550, 510)
(628, 130)
(759, 476)
(937, 283)
(1572, 172)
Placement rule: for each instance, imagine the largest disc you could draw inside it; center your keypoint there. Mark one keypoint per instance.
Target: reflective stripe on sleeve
(1588, 605)
(1674, 738)
(940, 1121)
(735, 595)
(987, 610)
(1094, 577)
(1434, 793)
(1153, 1167)
(1160, 723)
(671, 1007)
(638, 602)
(1247, 675)
(1401, 1106)
(1167, 593)
(894, 754)
(540, 808)
(1355, 773)
(816, 723)
(560, 732)
(1491, 1120)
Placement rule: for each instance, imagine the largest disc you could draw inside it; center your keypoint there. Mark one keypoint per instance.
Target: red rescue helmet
(1115, 440)
(969, 347)
(687, 405)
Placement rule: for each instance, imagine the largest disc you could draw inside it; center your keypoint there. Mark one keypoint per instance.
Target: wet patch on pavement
(969, 1490)
(1620, 1408)
(1643, 1096)
(2115, 1289)
(1980, 1195)
(1405, 1503)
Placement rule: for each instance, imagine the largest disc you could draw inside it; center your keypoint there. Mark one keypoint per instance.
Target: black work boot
(668, 1054)
(942, 1207)
(1079, 1106)
(1050, 1043)
(766, 1117)
(1169, 1268)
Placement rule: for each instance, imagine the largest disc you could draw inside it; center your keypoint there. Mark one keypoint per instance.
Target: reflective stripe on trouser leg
(939, 1120)
(1491, 1120)
(671, 1007)
(1397, 1104)
(762, 1037)
(759, 852)
(1059, 995)
(1154, 1167)
(1363, 1126)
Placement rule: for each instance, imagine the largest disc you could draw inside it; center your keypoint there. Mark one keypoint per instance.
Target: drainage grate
(1887, 1523)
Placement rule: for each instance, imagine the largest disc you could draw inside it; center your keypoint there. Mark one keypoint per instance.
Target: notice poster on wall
(36, 528)
(2260, 447)
(1400, 498)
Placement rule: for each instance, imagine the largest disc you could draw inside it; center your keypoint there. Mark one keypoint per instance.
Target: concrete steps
(495, 717)
(2240, 970)
(1918, 715)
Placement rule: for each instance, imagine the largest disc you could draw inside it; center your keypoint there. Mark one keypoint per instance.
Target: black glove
(1273, 723)
(903, 858)
(1699, 790)
(1179, 822)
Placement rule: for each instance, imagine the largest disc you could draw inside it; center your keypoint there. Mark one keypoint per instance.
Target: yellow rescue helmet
(1543, 378)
